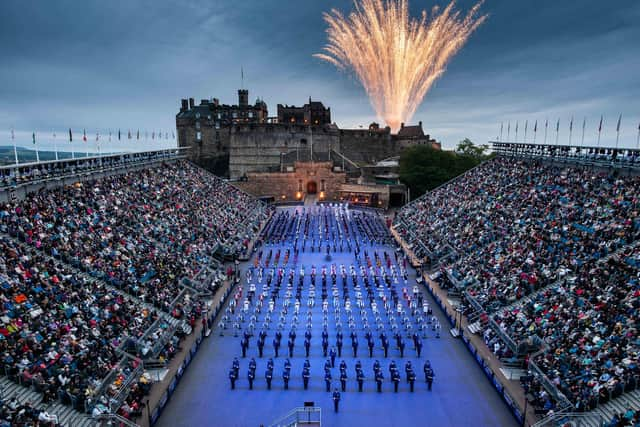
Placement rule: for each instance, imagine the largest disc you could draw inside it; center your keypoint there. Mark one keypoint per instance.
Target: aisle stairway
(67, 416)
(618, 406)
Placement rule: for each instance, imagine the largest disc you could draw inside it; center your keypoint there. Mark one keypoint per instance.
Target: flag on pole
(84, 135)
(526, 124)
(153, 134)
(119, 135)
(173, 134)
(129, 134)
(97, 136)
(109, 135)
(618, 130)
(558, 126)
(54, 135)
(33, 136)
(70, 135)
(599, 130)
(535, 127)
(138, 134)
(570, 129)
(15, 149)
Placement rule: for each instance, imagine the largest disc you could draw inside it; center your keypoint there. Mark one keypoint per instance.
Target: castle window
(198, 136)
(234, 115)
(209, 117)
(197, 125)
(197, 115)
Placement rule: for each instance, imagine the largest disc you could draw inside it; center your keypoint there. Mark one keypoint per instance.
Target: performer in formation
(365, 294)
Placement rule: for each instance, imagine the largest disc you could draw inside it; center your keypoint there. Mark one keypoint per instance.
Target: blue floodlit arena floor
(461, 395)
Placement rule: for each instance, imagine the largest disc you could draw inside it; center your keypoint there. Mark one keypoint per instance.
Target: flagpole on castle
(546, 126)
(638, 138)
(584, 125)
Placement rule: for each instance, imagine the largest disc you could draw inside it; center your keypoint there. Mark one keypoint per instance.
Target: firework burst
(397, 58)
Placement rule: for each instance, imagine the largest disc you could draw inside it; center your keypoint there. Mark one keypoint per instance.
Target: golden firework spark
(397, 58)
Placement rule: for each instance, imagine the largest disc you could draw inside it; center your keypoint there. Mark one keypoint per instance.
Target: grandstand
(538, 248)
(107, 263)
(115, 271)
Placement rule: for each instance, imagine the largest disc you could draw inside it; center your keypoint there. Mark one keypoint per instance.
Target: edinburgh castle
(267, 155)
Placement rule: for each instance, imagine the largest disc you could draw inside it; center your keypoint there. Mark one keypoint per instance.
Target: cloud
(127, 64)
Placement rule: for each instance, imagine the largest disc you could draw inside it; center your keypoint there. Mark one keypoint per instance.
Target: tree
(467, 148)
(423, 168)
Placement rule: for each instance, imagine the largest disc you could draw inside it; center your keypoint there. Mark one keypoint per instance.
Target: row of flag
(546, 128)
(154, 135)
(120, 135)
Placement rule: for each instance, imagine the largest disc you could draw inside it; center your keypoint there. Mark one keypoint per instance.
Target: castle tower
(243, 98)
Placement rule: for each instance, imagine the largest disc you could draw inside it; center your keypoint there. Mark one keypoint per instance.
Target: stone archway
(312, 187)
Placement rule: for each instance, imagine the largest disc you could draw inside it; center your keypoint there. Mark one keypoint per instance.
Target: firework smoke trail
(397, 58)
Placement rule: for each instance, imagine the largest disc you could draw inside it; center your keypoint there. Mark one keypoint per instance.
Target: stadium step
(618, 405)
(67, 416)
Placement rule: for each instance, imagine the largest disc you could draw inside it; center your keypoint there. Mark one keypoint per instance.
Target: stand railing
(301, 415)
(573, 419)
(110, 420)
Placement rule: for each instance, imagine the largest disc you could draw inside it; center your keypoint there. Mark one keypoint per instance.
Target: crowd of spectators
(519, 227)
(60, 332)
(588, 327)
(142, 231)
(70, 336)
